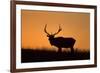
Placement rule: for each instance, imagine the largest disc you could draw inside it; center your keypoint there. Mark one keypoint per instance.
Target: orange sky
(73, 24)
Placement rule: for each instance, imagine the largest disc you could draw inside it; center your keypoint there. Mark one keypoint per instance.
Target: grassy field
(29, 55)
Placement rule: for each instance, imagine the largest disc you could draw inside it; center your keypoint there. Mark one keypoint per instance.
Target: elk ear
(47, 35)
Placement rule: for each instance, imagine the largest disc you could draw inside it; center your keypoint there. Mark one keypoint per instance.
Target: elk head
(51, 35)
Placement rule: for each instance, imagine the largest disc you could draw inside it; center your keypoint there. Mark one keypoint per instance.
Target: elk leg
(59, 50)
(72, 49)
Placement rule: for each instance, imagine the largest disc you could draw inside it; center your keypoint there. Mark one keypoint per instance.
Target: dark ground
(28, 55)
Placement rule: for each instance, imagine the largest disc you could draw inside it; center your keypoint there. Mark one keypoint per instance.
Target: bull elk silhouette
(60, 42)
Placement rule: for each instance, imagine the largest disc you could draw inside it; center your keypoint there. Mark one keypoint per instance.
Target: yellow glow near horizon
(76, 25)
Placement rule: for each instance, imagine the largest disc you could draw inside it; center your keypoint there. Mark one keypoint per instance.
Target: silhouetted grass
(29, 55)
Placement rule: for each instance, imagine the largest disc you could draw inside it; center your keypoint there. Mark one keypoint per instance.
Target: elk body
(60, 42)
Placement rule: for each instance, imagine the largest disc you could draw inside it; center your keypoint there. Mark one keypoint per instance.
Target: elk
(60, 42)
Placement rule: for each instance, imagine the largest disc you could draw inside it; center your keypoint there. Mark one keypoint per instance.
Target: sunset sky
(76, 25)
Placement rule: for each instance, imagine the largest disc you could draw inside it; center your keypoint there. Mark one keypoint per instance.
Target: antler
(46, 30)
(58, 30)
